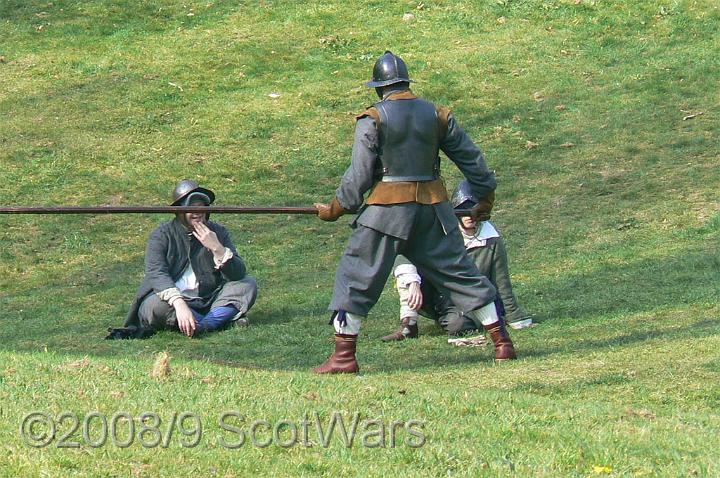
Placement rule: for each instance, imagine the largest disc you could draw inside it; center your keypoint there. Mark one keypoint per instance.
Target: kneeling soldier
(486, 248)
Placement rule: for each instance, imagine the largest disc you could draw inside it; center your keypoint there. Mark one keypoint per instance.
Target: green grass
(607, 197)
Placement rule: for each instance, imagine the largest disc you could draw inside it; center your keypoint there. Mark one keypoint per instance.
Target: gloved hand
(481, 211)
(330, 212)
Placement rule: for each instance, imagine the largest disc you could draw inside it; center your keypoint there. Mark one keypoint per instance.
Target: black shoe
(123, 333)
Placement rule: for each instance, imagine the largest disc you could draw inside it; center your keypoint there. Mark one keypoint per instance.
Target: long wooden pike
(153, 209)
(167, 209)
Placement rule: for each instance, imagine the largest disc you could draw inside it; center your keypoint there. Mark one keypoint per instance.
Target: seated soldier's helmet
(388, 70)
(463, 195)
(187, 188)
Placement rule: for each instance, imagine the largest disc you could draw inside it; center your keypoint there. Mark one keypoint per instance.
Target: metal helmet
(463, 194)
(388, 70)
(186, 188)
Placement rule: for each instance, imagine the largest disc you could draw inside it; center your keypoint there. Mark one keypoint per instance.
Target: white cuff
(405, 274)
(488, 314)
(405, 269)
(404, 280)
(226, 257)
(352, 324)
(170, 295)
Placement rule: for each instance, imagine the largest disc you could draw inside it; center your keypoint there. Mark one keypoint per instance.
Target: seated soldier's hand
(415, 297)
(208, 238)
(185, 318)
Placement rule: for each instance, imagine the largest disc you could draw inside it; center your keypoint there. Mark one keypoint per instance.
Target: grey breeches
(157, 314)
(440, 259)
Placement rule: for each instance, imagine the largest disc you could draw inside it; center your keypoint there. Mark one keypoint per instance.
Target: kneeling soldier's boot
(504, 349)
(343, 358)
(406, 331)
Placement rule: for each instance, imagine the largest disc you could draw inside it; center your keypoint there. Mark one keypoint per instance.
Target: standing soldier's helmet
(463, 196)
(388, 70)
(187, 189)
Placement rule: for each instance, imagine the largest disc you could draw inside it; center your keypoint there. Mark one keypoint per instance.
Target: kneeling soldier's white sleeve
(405, 274)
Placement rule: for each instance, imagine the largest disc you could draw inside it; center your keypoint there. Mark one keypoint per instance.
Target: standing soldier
(395, 153)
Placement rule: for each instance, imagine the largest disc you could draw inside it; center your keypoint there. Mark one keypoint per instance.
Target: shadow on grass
(295, 336)
(641, 286)
(705, 327)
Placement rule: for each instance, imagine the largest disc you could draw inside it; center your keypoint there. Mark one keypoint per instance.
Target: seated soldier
(487, 249)
(195, 281)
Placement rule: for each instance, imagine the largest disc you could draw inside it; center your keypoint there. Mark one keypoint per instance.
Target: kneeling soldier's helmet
(388, 70)
(187, 190)
(463, 196)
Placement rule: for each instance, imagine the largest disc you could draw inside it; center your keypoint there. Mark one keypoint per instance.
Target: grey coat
(396, 220)
(169, 251)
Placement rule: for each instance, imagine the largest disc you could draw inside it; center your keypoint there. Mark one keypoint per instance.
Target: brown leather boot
(343, 359)
(504, 349)
(406, 331)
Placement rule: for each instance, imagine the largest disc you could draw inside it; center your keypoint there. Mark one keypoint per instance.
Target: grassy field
(600, 118)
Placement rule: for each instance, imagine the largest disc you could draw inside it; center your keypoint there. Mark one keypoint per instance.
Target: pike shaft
(154, 210)
(166, 209)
